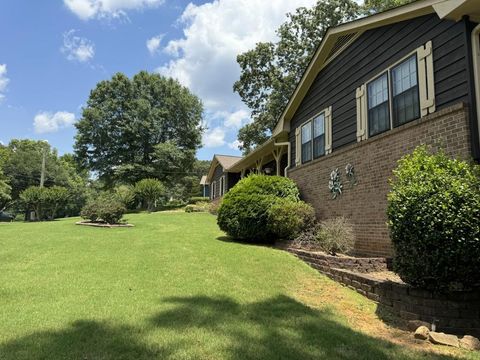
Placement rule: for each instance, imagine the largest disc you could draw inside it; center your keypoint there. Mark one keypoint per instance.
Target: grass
(175, 287)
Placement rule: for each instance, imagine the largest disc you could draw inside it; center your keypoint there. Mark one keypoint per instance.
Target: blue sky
(53, 52)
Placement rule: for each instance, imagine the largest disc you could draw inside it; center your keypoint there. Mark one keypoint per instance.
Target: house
(220, 177)
(205, 186)
(376, 88)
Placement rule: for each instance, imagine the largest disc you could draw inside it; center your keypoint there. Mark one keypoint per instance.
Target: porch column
(277, 155)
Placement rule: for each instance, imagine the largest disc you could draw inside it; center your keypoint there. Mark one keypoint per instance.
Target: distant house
(205, 186)
(376, 88)
(220, 177)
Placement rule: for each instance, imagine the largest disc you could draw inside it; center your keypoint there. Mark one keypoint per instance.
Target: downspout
(287, 143)
(476, 71)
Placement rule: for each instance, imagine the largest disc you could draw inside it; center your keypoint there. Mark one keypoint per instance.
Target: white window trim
(327, 135)
(425, 83)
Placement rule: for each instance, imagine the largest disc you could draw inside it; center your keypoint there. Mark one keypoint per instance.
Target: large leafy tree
(271, 71)
(125, 122)
(21, 162)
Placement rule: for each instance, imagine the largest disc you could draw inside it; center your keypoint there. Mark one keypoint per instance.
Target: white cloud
(90, 9)
(77, 48)
(46, 122)
(153, 44)
(3, 80)
(204, 59)
(235, 145)
(237, 119)
(214, 138)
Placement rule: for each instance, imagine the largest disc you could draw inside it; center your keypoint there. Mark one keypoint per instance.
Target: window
(319, 136)
(378, 105)
(214, 187)
(405, 98)
(222, 185)
(307, 142)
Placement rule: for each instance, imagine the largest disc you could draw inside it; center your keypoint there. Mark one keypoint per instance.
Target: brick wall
(454, 313)
(374, 159)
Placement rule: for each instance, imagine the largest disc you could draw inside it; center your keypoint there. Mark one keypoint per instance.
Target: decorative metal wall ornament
(350, 172)
(335, 183)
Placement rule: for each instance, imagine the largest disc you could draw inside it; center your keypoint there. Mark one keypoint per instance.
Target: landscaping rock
(421, 333)
(443, 339)
(470, 343)
(413, 325)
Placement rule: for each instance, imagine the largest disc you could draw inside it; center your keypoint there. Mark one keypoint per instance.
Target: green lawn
(173, 287)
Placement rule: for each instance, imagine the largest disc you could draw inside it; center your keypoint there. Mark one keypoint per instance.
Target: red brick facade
(374, 159)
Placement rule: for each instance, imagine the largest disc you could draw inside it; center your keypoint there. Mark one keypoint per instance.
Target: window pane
(319, 146)
(307, 152)
(306, 132)
(378, 112)
(404, 76)
(319, 125)
(406, 104)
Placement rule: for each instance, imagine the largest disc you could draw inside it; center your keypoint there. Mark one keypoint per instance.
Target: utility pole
(42, 175)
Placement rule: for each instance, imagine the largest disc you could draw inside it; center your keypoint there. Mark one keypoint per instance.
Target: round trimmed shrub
(243, 213)
(287, 218)
(104, 208)
(434, 219)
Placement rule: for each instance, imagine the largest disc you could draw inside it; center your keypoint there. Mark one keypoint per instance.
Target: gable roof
(226, 161)
(203, 180)
(338, 38)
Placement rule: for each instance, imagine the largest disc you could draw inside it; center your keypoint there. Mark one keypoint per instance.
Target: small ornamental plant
(434, 219)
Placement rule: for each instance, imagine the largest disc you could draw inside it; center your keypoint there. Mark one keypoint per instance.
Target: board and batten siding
(373, 52)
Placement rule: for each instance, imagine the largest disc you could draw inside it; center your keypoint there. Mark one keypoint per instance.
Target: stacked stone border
(454, 313)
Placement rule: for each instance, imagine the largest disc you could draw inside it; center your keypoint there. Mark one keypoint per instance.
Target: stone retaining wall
(357, 264)
(454, 313)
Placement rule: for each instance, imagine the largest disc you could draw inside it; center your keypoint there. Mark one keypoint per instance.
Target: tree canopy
(137, 128)
(271, 71)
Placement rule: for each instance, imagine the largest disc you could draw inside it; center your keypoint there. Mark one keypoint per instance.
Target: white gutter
(288, 155)
(476, 70)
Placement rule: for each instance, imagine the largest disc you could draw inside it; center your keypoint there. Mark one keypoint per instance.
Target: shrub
(44, 201)
(150, 191)
(287, 218)
(196, 199)
(106, 208)
(434, 219)
(126, 195)
(243, 213)
(198, 207)
(213, 207)
(335, 236)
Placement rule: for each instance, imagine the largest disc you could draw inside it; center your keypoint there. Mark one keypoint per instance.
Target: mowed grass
(174, 287)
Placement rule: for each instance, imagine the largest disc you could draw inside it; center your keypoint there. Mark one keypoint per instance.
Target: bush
(243, 213)
(44, 201)
(126, 195)
(150, 191)
(335, 236)
(106, 208)
(434, 219)
(198, 207)
(287, 218)
(196, 199)
(213, 207)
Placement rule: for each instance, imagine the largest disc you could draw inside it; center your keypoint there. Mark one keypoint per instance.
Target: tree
(150, 191)
(375, 6)
(5, 191)
(270, 72)
(22, 165)
(125, 120)
(44, 201)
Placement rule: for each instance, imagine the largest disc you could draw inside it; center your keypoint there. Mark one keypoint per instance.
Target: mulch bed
(102, 225)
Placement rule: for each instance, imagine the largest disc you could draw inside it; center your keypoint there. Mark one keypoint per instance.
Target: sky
(53, 52)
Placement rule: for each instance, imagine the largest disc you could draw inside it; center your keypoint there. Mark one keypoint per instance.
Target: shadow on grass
(278, 328)
(212, 328)
(230, 239)
(83, 340)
